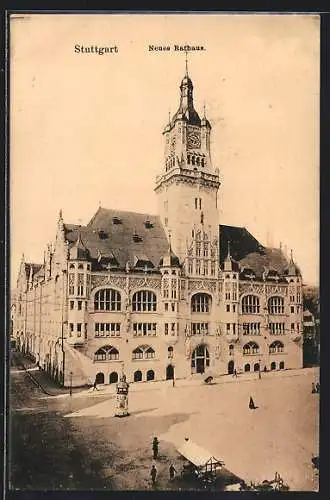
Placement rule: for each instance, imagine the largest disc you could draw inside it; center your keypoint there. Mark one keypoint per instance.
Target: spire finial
(169, 239)
(169, 116)
(60, 216)
(186, 52)
(291, 255)
(204, 110)
(228, 245)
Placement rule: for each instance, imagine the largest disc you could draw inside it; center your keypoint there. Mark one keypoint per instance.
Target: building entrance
(200, 359)
(169, 372)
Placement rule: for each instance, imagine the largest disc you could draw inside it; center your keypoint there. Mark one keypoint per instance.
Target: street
(74, 442)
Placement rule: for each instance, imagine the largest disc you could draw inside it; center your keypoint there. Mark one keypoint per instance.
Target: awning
(197, 455)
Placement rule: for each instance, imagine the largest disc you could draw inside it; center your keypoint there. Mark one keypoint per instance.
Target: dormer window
(137, 238)
(148, 224)
(116, 220)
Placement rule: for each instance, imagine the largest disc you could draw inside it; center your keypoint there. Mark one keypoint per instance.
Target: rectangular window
(71, 304)
(227, 296)
(143, 329)
(234, 328)
(196, 203)
(173, 329)
(79, 305)
(228, 308)
(200, 203)
(199, 328)
(165, 294)
(166, 328)
(166, 306)
(234, 308)
(173, 294)
(85, 330)
(71, 327)
(228, 327)
(276, 328)
(292, 309)
(292, 326)
(78, 329)
(173, 307)
(107, 329)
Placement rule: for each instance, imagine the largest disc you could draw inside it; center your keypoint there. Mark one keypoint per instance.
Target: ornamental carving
(208, 285)
(251, 288)
(121, 281)
(270, 289)
(107, 280)
(147, 282)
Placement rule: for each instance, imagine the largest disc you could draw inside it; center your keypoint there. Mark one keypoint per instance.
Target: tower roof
(186, 109)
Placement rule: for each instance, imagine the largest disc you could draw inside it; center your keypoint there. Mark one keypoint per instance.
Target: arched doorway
(282, 365)
(113, 378)
(169, 372)
(200, 359)
(273, 366)
(247, 367)
(231, 367)
(256, 367)
(99, 379)
(137, 376)
(150, 375)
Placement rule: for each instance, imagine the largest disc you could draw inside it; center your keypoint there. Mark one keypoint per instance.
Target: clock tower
(187, 186)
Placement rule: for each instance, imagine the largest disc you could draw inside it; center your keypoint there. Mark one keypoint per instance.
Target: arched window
(81, 266)
(150, 375)
(256, 367)
(231, 350)
(251, 348)
(247, 367)
(113, 377)
(143, 352)
(276, 305)
(107, 300)
(250, 304)
(200, 359)
(273, 366)
(137, 376)
(106, 353)
(282, 365)
(144, 300)
(170, 352)
(276, 346)
(201, 302)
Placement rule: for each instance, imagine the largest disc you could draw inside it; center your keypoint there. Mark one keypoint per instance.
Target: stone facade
(157, 294)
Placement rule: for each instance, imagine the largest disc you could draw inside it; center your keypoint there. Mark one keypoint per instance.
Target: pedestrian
(172, 471)
(313, 388)
(173, 382)
(251, 404)
(153, 474)
(235, 373)
(94, 386)
(317, 386)
(155, 444)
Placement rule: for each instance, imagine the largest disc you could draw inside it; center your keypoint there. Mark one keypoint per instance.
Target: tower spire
(186, 61)
(228, 253)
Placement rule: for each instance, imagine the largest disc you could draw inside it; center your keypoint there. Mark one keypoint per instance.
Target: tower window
(200, 203)
(188, 159)
(196, 203)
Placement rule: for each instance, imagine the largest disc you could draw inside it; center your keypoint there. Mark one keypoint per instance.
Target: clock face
(194, 140)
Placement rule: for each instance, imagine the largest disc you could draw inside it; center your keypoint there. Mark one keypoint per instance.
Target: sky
(86, 129)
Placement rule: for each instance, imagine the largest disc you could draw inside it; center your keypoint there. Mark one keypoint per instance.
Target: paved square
(281, 435)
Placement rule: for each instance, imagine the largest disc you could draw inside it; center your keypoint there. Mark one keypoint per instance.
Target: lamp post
(70, 383)
(259, 371)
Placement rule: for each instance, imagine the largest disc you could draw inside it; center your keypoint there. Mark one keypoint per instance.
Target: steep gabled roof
(123, 235)
(36, 268)
(247, 250)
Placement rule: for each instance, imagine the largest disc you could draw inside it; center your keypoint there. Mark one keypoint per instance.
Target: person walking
(94, 386)
(251, 404)
(173, 382)
(155, 444)
(172, 472)
(153, 474)
(313, 388)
